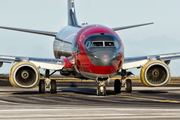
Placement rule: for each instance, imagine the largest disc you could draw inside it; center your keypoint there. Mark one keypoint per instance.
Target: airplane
(87, 52)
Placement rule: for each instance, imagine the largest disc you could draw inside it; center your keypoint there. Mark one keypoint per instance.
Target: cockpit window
(97, 44)
(101, 41)
(103, 44)
(110, 44)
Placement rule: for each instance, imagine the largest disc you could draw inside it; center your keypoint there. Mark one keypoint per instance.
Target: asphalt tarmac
(80, 102)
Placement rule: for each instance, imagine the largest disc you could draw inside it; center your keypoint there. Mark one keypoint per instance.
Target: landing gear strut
(47, 84)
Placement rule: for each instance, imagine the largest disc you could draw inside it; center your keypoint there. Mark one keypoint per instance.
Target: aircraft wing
(44, 63)
(131, 26)
(48, 33)
(137, 62)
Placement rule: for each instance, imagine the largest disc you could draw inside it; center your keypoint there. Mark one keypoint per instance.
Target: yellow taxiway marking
(150, 99)
(4, 79)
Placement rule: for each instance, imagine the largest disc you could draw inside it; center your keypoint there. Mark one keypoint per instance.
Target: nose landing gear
(47, 84)
(101, 89)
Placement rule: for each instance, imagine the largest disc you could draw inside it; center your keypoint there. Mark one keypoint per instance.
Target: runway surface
(81, 102)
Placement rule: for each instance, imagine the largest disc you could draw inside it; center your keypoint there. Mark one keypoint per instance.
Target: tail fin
(72, 21)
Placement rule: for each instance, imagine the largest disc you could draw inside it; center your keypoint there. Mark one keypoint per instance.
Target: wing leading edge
(44, 63)
(136, 62)
(48, 33)
(131, 26)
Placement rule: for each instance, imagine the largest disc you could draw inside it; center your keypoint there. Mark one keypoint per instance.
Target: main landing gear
(128, 86)
(126, 83)
(47, 84)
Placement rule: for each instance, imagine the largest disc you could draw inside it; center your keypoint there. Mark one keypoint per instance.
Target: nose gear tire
(101, 92)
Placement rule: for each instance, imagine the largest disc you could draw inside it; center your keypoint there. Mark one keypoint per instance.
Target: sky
(51, 15)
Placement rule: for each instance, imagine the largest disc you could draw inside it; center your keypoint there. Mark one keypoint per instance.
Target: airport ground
(77, 100)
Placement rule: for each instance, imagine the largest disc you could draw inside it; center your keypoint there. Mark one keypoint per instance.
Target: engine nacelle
(24, 75)
(155, 73)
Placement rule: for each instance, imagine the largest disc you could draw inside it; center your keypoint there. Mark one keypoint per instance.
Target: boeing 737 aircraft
(87, 52)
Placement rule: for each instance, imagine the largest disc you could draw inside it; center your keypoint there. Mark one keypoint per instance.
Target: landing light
(96, 57)
(101, 88)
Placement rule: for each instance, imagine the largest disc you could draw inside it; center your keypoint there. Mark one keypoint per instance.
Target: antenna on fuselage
(72, 20)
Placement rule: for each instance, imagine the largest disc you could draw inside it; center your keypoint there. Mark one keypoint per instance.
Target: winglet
(131, 26)
(72, 20)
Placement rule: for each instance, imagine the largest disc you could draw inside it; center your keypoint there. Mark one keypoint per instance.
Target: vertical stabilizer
(72, 21)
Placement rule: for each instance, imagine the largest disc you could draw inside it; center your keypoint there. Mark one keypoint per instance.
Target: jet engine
(24, 75)
(155, 73)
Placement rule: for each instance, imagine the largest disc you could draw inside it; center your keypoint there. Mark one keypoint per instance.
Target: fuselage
(97, 51)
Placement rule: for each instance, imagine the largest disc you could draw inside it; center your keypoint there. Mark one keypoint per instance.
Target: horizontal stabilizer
(131, 26)
(31, 31)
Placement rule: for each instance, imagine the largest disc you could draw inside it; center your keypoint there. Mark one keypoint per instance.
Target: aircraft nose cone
(103, 58)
